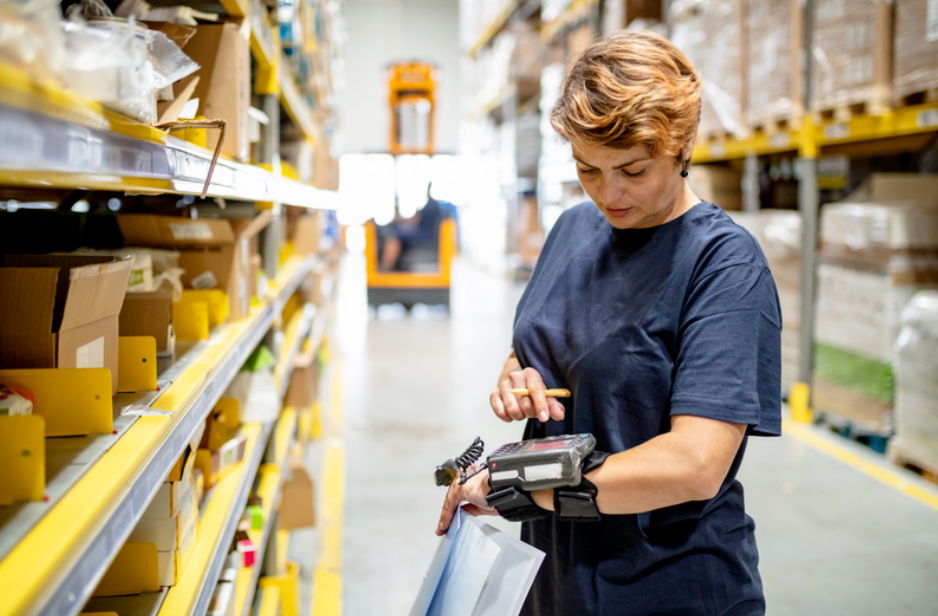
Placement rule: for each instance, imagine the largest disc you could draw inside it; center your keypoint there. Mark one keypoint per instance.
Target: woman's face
(630, 187)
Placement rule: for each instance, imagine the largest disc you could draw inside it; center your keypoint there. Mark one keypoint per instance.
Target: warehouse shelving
(269, 488)
(574, 12)
(493, 28)
(901, 122)
(59, 550)
(54, 140)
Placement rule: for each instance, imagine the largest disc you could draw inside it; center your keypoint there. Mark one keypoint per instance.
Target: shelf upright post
(808, 205)
(269, 151)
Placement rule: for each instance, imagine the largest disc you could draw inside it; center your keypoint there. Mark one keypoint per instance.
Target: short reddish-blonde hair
(632, 88)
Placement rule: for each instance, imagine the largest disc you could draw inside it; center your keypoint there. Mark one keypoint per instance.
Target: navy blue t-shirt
(643, 324)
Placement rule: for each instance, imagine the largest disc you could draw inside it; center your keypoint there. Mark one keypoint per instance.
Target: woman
(661, 316)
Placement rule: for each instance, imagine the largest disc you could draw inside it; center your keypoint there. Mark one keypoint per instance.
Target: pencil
(550, 393)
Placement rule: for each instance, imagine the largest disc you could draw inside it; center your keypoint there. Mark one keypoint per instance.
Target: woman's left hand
(473, 491)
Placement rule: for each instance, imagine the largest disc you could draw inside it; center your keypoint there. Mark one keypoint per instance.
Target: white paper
(465, 573)
(471, 551)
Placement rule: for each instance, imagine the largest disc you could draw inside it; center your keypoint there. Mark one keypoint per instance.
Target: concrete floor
(832, 539)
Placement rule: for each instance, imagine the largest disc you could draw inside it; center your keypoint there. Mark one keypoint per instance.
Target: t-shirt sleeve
(728, 363)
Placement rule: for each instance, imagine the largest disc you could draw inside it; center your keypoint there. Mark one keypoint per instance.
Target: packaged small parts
(15, 401)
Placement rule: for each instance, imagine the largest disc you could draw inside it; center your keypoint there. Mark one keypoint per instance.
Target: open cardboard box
(61, 311)
(215, 253)
(150, 314)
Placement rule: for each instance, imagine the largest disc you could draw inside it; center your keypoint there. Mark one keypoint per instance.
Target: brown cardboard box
(224, 90)
(916, 48)
(150, 314)
(306, 235)
(852, 54)
(297, 508)
(304, 382)
(215, 253)
(717, 185)
(61, 311)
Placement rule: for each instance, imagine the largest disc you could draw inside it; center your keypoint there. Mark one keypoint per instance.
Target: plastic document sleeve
(478, 571)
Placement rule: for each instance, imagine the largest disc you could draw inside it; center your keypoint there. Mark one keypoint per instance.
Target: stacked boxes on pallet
(775, 41)
(916, 439)
(874, 257)
(711, 35)
(779, 234)
(916, 48)
(852, 46)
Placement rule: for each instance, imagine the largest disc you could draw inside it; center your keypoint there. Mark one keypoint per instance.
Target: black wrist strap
(515, 505)
(578, 503)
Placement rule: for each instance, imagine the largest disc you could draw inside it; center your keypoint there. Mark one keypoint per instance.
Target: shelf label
(780, 141)
(927, 118)
(839, 130)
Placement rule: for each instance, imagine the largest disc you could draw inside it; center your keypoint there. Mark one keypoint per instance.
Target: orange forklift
(421, 274)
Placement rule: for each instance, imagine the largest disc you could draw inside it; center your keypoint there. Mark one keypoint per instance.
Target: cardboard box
(172, 563)
(150, 314)
(216, 464)
(297, 509)
(61, 311)
(167, 533)
(306, 235)
(859, 310)
(134, 570)
(224, 89)
(717, 185)
(215, 253)
(222, 424)
(304, 382)
(170, 499)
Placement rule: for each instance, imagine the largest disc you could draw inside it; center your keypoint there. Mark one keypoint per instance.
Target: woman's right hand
(509, 407)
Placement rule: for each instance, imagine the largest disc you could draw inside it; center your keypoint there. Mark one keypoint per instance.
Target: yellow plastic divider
(136, 363)
(22, 458)
(73, 401)
(191, 321)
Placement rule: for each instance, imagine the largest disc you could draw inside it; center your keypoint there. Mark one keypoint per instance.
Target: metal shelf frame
(75, 575)
(51, 139)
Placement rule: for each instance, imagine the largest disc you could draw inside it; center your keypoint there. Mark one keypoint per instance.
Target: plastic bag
(120, 63)
(30, 37)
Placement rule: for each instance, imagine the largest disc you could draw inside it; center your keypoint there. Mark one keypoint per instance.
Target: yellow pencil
(550, 393)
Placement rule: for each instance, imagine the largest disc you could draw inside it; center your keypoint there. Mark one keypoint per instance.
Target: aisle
(833, 540)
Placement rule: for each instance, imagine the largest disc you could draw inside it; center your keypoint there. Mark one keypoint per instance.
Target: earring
(684, 170)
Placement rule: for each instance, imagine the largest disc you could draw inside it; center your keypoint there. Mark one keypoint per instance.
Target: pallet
(847, 111)
(928, 471)
(919, 97)
(773, 124)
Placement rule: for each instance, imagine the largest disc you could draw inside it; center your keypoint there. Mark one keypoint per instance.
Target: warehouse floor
(414, 391)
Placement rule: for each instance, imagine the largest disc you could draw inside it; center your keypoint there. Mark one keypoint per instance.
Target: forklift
(422, 273)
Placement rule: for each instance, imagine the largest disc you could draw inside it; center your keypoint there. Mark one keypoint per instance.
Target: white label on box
(931, 23)
(90, 355)
(205, 280)
(191, 231)
(245, 252)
